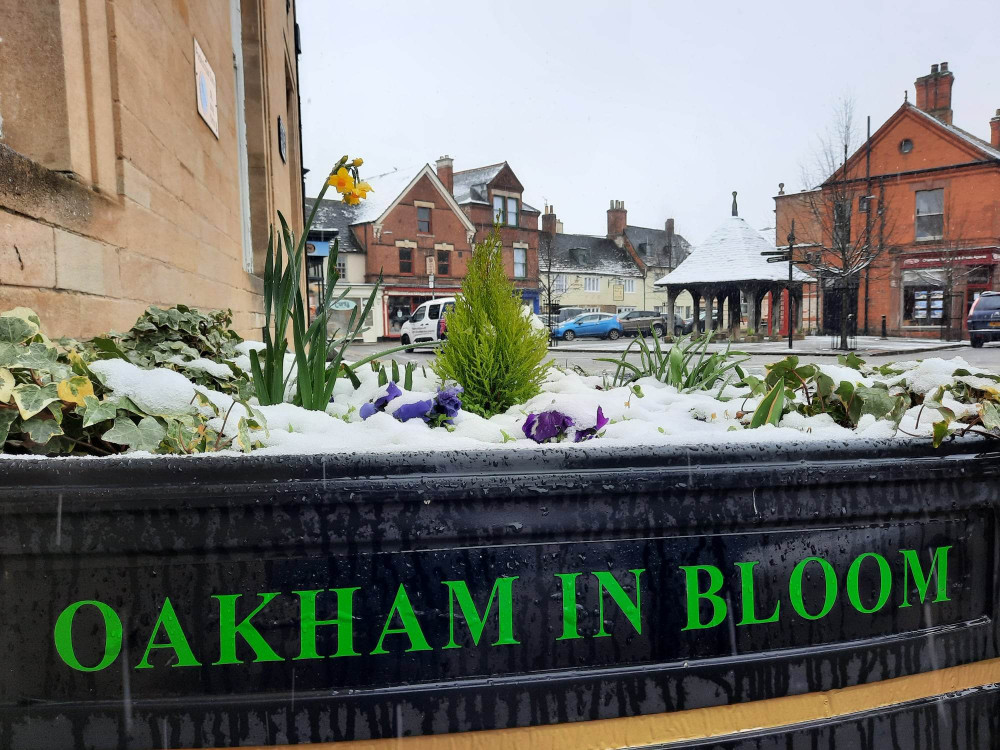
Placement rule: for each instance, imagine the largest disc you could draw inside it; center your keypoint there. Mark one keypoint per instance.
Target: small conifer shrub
(492, 350)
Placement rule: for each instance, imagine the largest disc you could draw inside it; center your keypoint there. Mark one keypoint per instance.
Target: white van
(424, 324)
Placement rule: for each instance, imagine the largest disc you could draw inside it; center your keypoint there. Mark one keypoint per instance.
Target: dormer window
(505, 210)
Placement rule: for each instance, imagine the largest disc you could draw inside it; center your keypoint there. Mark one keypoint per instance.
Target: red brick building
(417, 230)
(933, 190)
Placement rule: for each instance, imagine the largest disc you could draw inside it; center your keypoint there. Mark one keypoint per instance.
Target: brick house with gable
(418, 227)
(940, 188)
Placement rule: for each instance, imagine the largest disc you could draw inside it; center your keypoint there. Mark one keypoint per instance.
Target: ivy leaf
(75, 390)
(204, 400)
(16, 330)
(243, 439)
(940, 432)
(96, 411)
(41, 430)
(6, 385)
(7, 417)
(875, 401)
(990, 415)
(31, 399)
(145, 436)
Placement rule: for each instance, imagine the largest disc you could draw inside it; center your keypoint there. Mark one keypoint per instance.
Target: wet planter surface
(222, 601)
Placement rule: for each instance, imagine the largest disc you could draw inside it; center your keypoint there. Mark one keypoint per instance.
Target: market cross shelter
(400, 629)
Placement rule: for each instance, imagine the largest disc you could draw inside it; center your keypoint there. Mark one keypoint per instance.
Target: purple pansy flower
(546, 425)
(448, 401)
(591, 432)
(379, 404)
(435, 412)
(418, 409)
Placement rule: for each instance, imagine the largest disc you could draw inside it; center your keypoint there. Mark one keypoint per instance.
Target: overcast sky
(666, 106)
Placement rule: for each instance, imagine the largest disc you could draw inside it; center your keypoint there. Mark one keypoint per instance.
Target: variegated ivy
(52, 403)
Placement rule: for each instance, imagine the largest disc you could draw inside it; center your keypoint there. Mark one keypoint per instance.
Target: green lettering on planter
(568, 606)
(911, 562)
(411, 628)
(694, 596)
(795, 588)
(229, 629)
(632, 610)
(748, 597)
(885, 582)
(344, 622)
(112, 635)
(176, 640)
(505, 611)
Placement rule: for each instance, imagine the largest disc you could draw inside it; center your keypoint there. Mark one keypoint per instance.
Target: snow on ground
(659, 416)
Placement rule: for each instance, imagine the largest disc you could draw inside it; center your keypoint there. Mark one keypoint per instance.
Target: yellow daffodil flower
(352, 198)
(358, 162)
(342, 181)
(362, 189)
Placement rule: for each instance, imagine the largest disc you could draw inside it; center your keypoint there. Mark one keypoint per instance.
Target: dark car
(646, 322)
(984, 319)
(686, 325)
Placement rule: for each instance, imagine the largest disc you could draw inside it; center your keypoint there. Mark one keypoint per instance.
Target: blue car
(983, 322)
(602, 325)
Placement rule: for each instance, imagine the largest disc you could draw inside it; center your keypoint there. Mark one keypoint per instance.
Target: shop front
(937, 290)
(400, 302)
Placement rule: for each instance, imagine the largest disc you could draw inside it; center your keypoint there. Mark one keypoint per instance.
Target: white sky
(666, 106)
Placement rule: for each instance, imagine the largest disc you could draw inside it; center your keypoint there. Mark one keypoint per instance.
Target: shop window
(443, 263)
(923, 298)
(406, 260)
(930, 214)
(520, 263)
(423, 219)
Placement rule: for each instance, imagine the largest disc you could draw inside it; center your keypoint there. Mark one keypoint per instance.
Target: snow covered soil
(652, 414)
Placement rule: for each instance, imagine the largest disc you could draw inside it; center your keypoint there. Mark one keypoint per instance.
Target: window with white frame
(929, 222)
(342, 266)
(559, 283)
(520, 262)
(591, 284)
(630, 287)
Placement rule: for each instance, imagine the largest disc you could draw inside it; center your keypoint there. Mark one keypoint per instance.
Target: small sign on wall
(204, 81)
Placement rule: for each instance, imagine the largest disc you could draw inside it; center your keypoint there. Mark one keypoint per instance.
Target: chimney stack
(934, 92)
(995, 131)
(446, 172)
(617, 219)
(549, 220)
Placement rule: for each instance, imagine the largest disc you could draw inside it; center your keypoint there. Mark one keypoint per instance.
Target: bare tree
(847, 214)
(552, 284)
(954, 267)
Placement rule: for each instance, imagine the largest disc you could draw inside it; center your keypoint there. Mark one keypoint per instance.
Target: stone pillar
(671, 298)
(696, 299)
(709, 312)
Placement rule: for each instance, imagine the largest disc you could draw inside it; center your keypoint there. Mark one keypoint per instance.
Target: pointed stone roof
(731, 254)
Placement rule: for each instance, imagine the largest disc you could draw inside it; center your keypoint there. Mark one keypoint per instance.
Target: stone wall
(114, 193)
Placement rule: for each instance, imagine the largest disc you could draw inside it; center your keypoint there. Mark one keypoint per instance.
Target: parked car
(686, 325)
(424, 323)
(602, 325)
(646, 322)
(984, 319)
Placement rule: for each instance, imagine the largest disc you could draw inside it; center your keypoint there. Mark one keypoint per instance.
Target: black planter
(194, 602)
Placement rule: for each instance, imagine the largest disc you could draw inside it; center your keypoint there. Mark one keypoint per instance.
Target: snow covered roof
(654, 243)
(584, 254)
(966, 136)
(387, 190)
(731, 253)
(470, 184)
